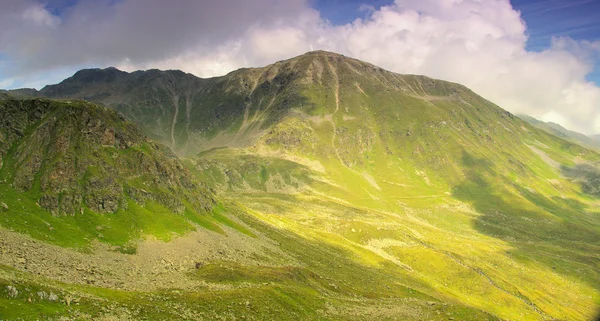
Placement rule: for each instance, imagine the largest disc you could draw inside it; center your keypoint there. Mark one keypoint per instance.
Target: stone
(52, 297)
(3, 207)
(49, 202)
(12, 291)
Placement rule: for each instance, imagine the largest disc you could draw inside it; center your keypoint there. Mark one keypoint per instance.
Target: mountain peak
(323, 53)
(91, 73)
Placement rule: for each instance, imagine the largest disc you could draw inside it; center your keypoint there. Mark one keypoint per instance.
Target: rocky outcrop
(77, 155)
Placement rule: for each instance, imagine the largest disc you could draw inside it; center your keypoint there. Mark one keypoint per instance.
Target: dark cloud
(105, 31)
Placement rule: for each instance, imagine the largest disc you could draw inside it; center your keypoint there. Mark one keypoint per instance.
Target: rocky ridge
(75, 155)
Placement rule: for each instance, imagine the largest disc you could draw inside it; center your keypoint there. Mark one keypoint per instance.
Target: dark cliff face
(75, 154)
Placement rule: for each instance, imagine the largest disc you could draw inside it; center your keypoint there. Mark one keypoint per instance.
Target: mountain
(100, 222)
(592, 142)
(73, 158)
(363, 194)
(184, 112)
(418, 171)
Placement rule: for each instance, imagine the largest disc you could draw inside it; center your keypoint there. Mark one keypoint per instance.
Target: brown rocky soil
(156, 265)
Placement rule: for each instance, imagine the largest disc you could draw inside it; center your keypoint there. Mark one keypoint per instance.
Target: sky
(536, 57)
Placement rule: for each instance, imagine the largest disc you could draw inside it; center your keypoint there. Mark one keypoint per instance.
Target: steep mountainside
(419, 171)
(557, 130)
(184, 112)
(73, 157)
(387, 196)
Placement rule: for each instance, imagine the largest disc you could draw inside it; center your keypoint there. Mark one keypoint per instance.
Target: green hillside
(467, 198)
(75, 172)
(344, 192)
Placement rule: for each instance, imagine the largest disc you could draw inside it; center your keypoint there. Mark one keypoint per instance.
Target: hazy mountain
(349, 192)
(556, 129)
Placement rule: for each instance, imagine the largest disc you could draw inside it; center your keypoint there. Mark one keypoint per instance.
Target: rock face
(77, 155)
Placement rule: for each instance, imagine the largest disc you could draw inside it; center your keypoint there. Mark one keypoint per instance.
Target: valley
(320, 187)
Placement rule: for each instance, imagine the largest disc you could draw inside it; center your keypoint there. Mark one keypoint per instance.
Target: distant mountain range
(557, 130)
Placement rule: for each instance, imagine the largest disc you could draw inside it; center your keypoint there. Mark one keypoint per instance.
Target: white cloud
(39, 16)
(479, 43)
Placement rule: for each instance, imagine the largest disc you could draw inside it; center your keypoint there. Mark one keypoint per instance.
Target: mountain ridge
(592, 141)
(241, 84)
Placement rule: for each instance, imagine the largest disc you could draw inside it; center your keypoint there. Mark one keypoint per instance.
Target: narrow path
(409, 86)
(421, 86)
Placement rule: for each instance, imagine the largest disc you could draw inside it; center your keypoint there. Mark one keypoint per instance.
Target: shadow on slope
(554, 231)
(586, 175)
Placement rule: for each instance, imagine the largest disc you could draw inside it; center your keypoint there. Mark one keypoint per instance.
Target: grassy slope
(325, 287)
(67, 161)
(321, 288)
(434, 178)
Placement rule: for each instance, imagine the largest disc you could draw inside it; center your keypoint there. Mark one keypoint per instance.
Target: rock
(43, 295)
(108, 138)
(52, 297)
(66, 153)
(105, 201)
(49, 202)
(12, 291)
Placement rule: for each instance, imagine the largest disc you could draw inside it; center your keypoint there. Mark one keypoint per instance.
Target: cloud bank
(478, 43)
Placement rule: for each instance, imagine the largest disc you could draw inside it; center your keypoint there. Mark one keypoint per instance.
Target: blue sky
(578, 19)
